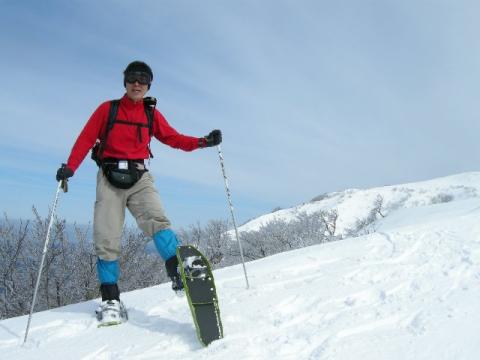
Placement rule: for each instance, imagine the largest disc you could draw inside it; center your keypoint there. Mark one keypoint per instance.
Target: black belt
(138, 163)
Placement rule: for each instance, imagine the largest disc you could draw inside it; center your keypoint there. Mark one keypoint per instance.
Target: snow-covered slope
(409, 291)
(353, 204)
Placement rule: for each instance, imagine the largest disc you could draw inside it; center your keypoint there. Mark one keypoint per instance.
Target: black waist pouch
(122, 174)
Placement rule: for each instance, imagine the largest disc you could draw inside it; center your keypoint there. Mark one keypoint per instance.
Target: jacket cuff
(72, 167)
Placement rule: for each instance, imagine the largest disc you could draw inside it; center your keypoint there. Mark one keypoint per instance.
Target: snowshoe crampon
(195, 267)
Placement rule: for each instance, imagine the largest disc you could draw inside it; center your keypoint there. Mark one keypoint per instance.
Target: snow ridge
(353, 204)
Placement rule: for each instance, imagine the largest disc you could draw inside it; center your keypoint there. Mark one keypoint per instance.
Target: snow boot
(111, 311)
(172, 271)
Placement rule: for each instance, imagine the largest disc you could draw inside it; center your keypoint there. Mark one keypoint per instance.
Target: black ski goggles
(138, 76)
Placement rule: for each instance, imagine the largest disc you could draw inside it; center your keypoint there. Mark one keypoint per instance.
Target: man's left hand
(213, 139)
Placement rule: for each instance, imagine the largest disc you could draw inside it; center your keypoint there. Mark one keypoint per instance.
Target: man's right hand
(64, 172)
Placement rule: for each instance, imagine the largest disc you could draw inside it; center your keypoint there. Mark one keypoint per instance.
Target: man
(123, 181)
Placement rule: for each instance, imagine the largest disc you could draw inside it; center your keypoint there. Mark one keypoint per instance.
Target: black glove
(64, 172)
(213, 139)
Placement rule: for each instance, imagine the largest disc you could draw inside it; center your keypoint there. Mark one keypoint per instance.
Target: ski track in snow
(409, 291)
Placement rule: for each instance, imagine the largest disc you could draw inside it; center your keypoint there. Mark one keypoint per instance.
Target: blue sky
(312, 96)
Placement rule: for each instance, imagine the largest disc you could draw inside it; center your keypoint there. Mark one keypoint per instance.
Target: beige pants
(143, 202)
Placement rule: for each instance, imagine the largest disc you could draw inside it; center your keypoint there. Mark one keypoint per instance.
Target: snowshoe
(200, 291)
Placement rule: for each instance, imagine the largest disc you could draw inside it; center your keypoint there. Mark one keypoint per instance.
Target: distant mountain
(353, 204)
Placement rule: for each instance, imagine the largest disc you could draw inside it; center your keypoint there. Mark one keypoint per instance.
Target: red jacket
(123, 140)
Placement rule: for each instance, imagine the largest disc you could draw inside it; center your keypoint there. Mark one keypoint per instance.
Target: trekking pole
(227, 190)
(61, 185)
